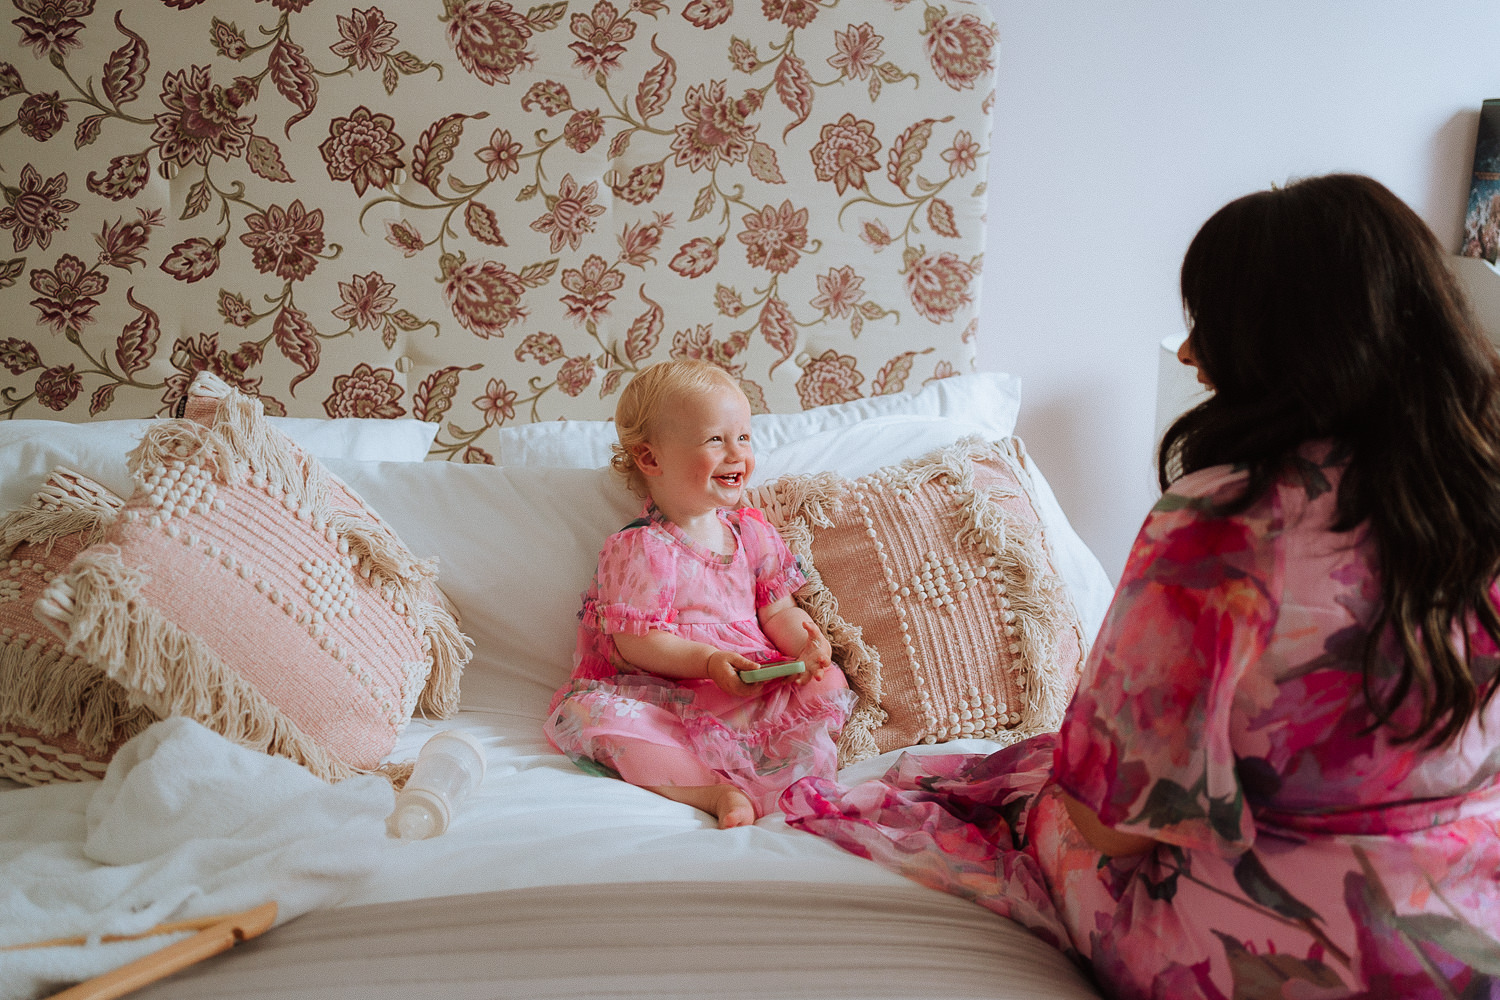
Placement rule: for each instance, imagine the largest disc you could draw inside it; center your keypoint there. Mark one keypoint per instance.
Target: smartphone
(771, 670)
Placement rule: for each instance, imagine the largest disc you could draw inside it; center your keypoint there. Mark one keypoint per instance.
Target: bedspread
(657, 940)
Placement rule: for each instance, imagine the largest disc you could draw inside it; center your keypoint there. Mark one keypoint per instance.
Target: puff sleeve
(634, 587)
(777, 573)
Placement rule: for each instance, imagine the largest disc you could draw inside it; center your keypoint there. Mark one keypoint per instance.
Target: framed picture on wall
(1482, 219)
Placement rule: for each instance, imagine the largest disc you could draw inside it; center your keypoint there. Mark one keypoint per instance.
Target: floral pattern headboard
(478, 213)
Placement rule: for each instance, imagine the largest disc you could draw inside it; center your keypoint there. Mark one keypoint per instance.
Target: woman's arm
(1105, 840)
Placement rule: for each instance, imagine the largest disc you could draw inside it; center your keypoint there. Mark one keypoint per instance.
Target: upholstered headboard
(482, 214)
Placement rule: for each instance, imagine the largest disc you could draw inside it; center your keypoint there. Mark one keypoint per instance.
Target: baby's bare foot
(730, 806)
(733, 808)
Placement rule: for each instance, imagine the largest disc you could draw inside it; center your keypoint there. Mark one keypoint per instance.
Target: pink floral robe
(1221, 713)
(652, 730)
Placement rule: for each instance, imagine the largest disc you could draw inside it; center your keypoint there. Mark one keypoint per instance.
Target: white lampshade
(1481, 281)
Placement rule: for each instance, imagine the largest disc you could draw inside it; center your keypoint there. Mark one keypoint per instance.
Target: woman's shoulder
(1313, 470)
(1203, 492)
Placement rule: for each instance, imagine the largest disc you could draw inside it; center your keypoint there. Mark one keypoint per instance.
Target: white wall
(1121, 126)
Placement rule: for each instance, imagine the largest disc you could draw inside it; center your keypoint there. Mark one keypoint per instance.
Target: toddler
(686, 597)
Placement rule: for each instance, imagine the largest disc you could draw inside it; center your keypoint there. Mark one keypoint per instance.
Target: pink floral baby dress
(650, 730)
(1221, 712)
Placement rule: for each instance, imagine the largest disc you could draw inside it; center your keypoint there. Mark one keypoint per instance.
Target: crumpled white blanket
(185, 824)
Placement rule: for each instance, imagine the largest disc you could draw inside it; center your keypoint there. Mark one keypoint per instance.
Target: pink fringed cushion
(245, 587)
(61, 719)
(933, 582)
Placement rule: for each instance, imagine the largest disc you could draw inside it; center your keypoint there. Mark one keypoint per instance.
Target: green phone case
(774, 670)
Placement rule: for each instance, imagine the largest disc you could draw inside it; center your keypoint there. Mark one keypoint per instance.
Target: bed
(389, 271)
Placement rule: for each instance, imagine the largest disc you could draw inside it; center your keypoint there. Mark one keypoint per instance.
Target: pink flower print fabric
(653, 731)
(1221, 712)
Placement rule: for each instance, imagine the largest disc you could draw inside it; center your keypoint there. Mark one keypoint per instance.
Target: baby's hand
(816, 654)
(724, 670)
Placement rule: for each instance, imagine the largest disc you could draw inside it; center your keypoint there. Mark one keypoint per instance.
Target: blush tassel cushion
(244, 586)
(935, 585)
(61, 718)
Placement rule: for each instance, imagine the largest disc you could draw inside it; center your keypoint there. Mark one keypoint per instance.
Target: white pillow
(367, 438)
(856, 451)
(31, 449)
(989, 400)
(516, 549)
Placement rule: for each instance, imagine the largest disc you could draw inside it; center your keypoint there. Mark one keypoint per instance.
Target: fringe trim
(43, 687)
(67, 504)
(1020, 462)
(172, 672)
(48, 690)
(240, 444)
(381, 556)
(411, 584)
(397, 772)
(30, 760)
(1036, 592)
(794, 505)
(790, 500)
(164, 442)
(448, 650)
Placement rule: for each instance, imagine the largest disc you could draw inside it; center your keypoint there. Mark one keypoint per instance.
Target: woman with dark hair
(1280, 774)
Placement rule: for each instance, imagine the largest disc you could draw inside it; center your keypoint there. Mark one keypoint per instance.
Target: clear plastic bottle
(449, 767)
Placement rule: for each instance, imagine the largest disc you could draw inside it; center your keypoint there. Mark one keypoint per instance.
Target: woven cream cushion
(934, 583)
(61, 719)
(245, 587)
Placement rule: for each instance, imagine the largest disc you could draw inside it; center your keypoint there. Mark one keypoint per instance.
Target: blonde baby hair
(645, 396)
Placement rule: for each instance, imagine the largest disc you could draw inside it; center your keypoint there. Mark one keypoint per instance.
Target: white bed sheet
(538, 820)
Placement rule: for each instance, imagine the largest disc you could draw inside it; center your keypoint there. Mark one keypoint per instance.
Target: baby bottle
(449, 767)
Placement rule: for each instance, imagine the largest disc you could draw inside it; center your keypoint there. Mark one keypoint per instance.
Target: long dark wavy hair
(1325, 310)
